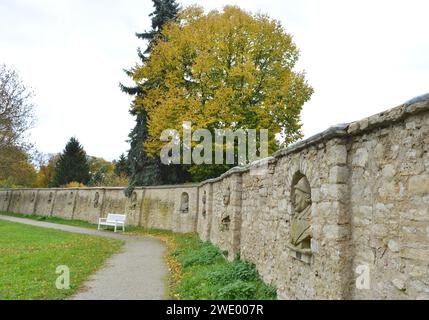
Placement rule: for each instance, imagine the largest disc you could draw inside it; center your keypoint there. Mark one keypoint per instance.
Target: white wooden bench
(113, 220)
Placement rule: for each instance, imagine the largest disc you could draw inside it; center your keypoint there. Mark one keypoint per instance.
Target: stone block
(334, 192)
(393, 246)
(336, 232)
(337, 155)
(338, 174)
(399, 284)
(419, 185)
(360, 158)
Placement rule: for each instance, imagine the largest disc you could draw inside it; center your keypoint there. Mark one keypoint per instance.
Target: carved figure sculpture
(300, 222)
(96, 199)
(133, 201)
(184, 203)
(227, 196)
(226, 221)
(70, 202)
(204, 200)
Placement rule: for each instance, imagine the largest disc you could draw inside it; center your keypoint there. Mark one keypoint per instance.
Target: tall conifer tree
(121, 166)
(72, 166)
(145, 170)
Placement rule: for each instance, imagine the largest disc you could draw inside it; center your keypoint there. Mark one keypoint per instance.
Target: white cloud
(361, 57)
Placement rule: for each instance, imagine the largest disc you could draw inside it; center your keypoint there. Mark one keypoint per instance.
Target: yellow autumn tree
(16, 169)
(226, 69)
(45, 176)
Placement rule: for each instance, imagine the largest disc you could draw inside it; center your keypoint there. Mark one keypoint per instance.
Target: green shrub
(207, 275)
(229, 272)
(205, 255)
(238, 290)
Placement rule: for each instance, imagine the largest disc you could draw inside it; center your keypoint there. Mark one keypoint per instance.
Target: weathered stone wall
(369, 187)
(389, 206)
(270, 228)
(225, 222)
(156, 207)
(205, 212)
(88, 204)
(44, 202)
(355, 197)
(64, 203)
(161, 208)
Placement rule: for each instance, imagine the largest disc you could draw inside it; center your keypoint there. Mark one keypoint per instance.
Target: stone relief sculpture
(51, 197)
(184, 203)
(225, 223)
(227, 196)
(70, 198)
(96, 199)
(133, 200)
(300, 222)
(204, 200)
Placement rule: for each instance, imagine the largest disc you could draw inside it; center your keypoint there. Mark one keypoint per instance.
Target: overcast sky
(361, 57)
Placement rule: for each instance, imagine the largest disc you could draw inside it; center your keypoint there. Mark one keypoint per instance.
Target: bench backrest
(116, 217)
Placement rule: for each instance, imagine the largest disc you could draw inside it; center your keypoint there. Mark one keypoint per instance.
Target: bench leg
(115, 227)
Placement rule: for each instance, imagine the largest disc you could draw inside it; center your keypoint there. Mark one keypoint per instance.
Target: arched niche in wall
(133, 201)
(227, 196)
(51, 197)
(96, 200)
(225, 223)
(300, 225)
(184, 202)
(71, 195)
(204, 201)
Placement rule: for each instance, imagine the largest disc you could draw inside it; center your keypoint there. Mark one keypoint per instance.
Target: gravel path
(136, 273)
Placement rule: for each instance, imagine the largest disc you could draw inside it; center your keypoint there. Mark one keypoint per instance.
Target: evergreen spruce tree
(121, 166)
(146, 170)
(72, 166)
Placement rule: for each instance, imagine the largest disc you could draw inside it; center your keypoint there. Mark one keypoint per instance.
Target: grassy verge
(76, 223)
(197, 270)
(30, 255)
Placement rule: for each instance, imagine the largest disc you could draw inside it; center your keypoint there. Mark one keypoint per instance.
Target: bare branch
(16, 109)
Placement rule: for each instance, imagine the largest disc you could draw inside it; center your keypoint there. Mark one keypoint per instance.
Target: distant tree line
(74, 168)
(21, 165)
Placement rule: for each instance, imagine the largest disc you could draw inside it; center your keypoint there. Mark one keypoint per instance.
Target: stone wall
(155, 207)
(348, 204)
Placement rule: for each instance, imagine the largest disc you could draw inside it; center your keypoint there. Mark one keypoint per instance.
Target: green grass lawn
(30, 255)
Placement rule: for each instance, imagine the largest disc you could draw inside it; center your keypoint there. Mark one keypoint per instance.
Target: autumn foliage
(223, 70)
